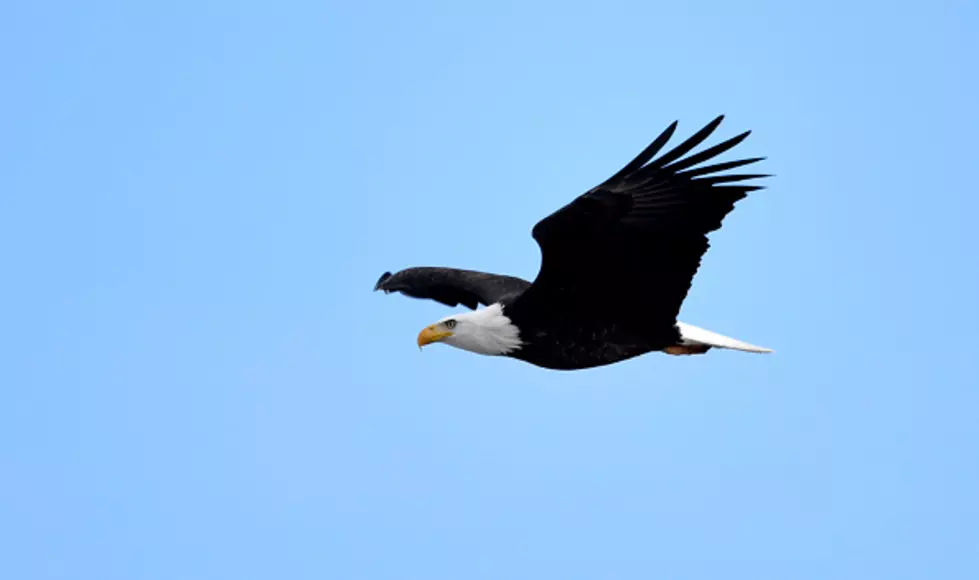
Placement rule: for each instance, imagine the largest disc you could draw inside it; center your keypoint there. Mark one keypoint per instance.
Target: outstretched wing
(627, 250)
(451, 286)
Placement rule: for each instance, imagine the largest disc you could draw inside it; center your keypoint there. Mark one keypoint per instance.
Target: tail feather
(691, 335)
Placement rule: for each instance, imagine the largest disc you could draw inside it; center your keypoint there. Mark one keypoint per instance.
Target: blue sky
(198, 382)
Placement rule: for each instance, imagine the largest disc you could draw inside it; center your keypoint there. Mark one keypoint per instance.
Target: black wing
(626, 251)
(450, 286)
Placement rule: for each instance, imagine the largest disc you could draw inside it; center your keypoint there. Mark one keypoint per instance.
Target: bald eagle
(617, 263)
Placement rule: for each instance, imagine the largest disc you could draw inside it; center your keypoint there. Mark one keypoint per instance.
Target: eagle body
(548, 337)
(616, 265)
(568, 346)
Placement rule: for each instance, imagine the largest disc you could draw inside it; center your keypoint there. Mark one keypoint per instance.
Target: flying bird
(616, 265)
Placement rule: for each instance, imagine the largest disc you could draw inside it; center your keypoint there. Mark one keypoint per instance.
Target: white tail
(691, 335)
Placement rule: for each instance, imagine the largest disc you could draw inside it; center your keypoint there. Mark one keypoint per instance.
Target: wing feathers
(631, 246)
(732, 178)
(678, 151)
(707, 169)
(647, 154)
(451, 286)
(707, 153)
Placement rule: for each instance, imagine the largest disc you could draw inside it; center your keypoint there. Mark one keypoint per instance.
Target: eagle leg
(686, 349)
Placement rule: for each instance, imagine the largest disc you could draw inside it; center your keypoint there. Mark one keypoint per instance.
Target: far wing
(451, 286)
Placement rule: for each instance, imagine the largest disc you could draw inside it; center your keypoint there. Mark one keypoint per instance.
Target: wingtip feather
(384, 277)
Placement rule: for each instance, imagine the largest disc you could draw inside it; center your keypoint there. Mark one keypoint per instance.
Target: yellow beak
(431, 334)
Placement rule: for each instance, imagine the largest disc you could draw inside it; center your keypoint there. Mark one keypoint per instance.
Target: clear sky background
(198, 381)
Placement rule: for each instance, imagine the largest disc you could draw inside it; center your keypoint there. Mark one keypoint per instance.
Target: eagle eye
(450, 324)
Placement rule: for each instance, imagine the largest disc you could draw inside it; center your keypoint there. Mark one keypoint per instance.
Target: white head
(485, 331)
